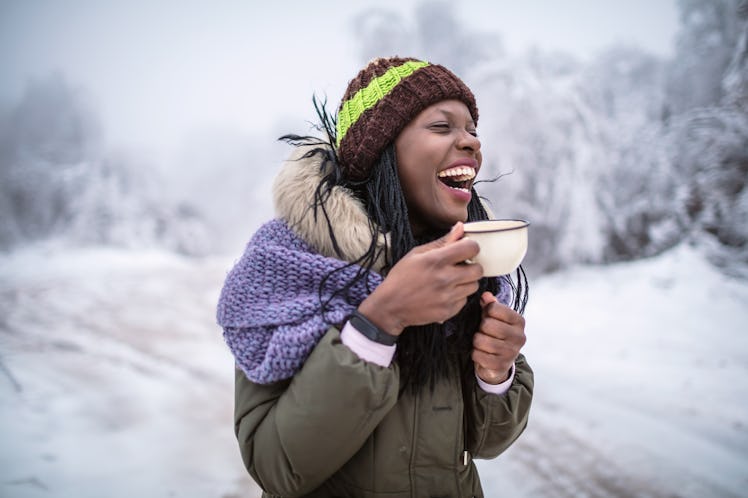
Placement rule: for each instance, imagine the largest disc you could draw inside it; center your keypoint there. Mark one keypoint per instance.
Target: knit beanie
(382, 99)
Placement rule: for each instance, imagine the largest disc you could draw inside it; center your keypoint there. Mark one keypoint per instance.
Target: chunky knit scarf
(270, 307)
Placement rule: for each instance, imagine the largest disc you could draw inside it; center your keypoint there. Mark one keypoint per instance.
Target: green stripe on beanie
(367, 97)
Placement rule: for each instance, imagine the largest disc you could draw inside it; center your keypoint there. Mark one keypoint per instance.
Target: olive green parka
(341, 427)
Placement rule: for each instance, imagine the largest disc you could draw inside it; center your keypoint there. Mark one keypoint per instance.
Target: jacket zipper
(465, 453)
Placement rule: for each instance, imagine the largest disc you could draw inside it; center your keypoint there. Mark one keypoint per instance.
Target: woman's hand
(498, 341)
(429, 284)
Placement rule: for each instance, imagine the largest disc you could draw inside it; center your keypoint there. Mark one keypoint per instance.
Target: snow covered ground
(114, 380)
(641, 384)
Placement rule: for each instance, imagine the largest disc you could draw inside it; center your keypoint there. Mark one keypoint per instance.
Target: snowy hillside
(114, 381)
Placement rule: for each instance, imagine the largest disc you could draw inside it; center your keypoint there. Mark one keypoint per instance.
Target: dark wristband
(364, 325)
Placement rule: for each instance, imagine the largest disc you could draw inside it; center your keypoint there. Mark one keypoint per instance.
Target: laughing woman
(371, 361)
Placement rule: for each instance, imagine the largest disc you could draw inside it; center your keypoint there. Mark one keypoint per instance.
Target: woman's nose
(468, 140)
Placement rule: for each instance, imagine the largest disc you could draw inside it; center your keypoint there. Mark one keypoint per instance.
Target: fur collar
(293, 196)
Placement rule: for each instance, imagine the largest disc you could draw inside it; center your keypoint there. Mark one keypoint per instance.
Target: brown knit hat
(382, 99)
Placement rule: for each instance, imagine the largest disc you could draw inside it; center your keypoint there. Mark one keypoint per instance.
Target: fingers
(452, 247)
(458, 251)
(432, 282)
(491, 345)
(487, 298)
(496, 356)
(454, 234)
(501, 312)
(501, 331)
(468, 288)
(451, 253)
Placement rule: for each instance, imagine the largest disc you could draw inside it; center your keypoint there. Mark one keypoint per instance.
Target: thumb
(487, 298)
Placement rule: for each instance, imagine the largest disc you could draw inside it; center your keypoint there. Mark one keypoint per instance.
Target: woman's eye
(440, 126)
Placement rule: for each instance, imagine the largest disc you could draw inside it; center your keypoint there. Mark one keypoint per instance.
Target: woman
(371, 360)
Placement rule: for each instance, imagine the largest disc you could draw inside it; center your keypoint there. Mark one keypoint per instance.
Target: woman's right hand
(429, 284)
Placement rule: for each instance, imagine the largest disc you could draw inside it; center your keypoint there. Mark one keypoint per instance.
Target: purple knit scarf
(270, 303)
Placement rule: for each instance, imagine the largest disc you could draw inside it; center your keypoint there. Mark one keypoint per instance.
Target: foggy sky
(157, 71)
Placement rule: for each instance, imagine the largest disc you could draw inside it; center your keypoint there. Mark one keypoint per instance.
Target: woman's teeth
(458, 174)
(457, 178)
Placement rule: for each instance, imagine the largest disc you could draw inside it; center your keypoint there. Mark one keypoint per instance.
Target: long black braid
(424, 352)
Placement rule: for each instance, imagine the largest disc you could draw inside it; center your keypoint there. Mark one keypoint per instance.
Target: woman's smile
(459, 178)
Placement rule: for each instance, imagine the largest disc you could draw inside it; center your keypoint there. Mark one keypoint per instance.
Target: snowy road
(114, 381)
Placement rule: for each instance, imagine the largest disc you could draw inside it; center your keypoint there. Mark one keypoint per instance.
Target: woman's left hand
(498, 341)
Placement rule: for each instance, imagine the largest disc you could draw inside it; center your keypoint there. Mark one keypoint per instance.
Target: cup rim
(523, 224)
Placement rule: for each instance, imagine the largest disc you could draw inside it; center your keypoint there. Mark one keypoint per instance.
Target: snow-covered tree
(709, 31)
(46, 144)
(57, 181)
(617, 158)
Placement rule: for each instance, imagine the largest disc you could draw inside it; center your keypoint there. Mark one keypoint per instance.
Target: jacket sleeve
(496, 421)
(295, 434)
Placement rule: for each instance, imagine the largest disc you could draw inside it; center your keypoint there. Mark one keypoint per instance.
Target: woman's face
(438, 156)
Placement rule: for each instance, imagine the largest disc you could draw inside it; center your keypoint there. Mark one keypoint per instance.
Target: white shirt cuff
(365, 348)
(497, 388)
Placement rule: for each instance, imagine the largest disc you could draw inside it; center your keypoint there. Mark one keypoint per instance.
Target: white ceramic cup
(503, 244)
